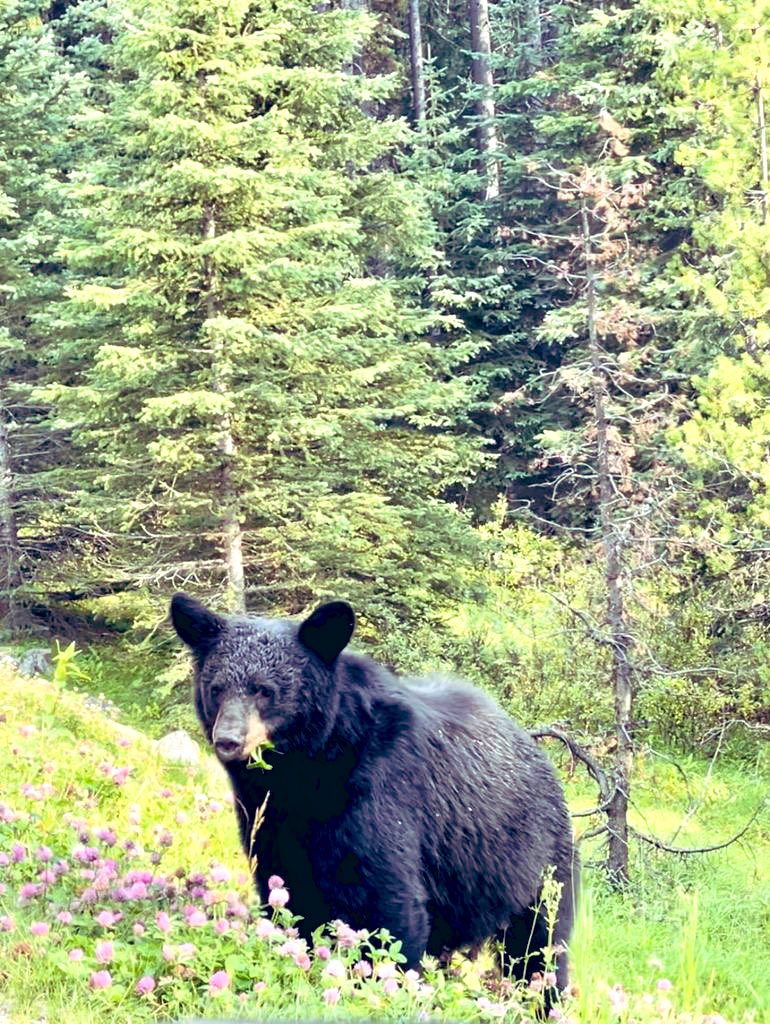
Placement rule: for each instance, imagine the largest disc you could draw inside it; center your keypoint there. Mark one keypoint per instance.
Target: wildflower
(332, 996)
(104, 952)
(347, 937)
(411, 981)
(44, 853)
(275, 882)
(163, 921)
(264, 928)
(221, 926)
(197, 918)
(186, 951)
(218, 982)
(7, 924)
(618, 998)
(363, 969)
(64, 917)
(139, 929)
(145, 985)
(302, 960)
(219, 874)
(40, 928)
(76, 954)
(18, 853)
(106, 918)
(294, 947)
(260, 986)
(549, 979)
(28, 891)
(386, 970)
(663, 985)
(47, 877)
(390, 986)
(278, 897)
(334, 969)
(323, 953)
(101, 979)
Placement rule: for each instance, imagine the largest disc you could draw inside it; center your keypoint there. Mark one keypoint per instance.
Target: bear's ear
(194, 622)
(327, 631)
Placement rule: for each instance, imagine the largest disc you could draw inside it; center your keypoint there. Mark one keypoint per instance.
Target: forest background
(460, 312)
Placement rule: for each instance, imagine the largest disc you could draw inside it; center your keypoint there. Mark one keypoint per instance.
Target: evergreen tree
(40, 96)
(253, 397)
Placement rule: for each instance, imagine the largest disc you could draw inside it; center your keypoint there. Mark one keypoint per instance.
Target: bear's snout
(237, 732)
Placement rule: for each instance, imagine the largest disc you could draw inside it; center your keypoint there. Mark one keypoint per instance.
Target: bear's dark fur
(416, 806)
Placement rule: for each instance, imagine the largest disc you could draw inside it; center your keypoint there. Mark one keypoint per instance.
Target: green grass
(700, 923)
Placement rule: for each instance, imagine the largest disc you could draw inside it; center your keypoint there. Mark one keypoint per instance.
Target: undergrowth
(124, 897)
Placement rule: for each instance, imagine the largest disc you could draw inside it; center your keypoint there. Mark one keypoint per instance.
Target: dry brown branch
(579, 753)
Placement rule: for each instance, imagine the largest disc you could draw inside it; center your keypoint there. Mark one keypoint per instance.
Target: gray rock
(36, 662)
(179, 747)
(9, 661)
(101, 704)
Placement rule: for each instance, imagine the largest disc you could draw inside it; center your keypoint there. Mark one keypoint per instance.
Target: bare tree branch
(660, 845)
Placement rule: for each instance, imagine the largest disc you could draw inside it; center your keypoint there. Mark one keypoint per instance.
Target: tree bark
(620, 639)
(759, 99)
(534, 35)
(10, 552)
(417, 64)
(232, 535)
(481, 70)
(355, 66)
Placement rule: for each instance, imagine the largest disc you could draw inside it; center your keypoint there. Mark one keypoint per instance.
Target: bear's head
(259, 680)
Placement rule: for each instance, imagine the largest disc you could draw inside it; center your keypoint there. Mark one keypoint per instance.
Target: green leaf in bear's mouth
(256, 758)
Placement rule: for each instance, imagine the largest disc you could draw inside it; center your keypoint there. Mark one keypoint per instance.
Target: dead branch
(660, 845)
(595, 770)
(759, 728)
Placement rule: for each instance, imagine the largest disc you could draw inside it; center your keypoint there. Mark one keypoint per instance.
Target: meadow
(124, 897)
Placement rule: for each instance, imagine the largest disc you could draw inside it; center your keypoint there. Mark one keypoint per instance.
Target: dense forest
(457, 311)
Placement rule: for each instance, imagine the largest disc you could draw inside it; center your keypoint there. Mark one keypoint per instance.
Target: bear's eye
(215, 691)
(259, 690)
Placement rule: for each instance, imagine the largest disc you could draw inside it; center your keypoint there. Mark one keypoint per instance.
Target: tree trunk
(534, 35)
(762, 130)
(10, 552)
(354, 67)
(481, 69)
(617, 812)
(417, 66)
(232, 537)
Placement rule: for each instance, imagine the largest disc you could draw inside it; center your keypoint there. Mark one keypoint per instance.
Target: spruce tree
(253, 396)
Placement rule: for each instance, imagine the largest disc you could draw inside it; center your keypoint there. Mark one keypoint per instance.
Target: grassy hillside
(123, 897)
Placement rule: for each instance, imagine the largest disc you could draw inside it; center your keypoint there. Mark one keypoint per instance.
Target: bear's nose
(227, 747)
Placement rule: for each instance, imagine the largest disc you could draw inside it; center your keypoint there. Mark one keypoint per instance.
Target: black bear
(412, 805)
